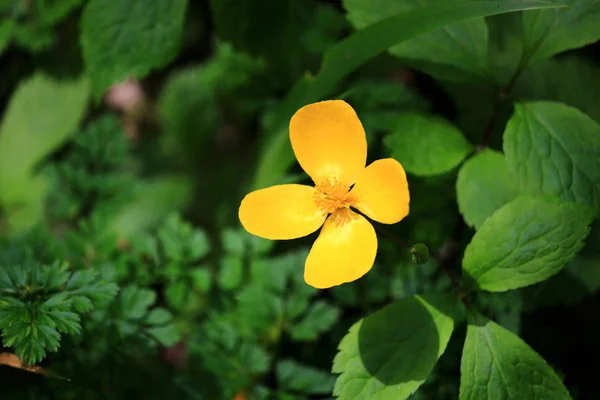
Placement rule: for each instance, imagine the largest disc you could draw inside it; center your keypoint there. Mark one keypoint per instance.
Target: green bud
(420, 253)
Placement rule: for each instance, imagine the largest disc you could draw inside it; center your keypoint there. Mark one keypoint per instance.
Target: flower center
(332, 196)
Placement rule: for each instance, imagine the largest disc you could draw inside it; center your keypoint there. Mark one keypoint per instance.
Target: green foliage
(426, 146)
(128, 39)
(524, 242)
(484, 184)
(38, 303)
(123, 265)
(497, 364)
(372, 360)
(554, 149)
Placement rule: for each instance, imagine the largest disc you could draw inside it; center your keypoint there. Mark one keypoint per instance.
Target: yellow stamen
(332, 196)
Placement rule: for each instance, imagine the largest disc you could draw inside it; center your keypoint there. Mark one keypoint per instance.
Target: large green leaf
(497, 364)
(349, 54)
(524, 242)
(483, 186)
(548, 32)
(389, 354)
(462, 47)
(426, 145)
(123, 39)
(554, 149)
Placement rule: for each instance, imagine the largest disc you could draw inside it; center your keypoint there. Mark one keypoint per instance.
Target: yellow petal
(281, 212)
(381, 192)
(329, 141)
(344, 251)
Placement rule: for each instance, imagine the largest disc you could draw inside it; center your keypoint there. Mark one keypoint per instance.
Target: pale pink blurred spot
(125, 96)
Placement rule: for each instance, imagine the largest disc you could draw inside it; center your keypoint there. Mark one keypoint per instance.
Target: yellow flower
(331, 146)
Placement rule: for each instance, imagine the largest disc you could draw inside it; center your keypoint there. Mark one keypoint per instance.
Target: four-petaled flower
(331, 146)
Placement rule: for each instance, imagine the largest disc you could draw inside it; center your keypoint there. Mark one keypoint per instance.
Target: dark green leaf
(554, 149)
(127, 39)
(524, 242)
(319, 319)
(304, 379)
(231, 273)
(497, 364)
(426, 145)
(390, 354)
(483, 186)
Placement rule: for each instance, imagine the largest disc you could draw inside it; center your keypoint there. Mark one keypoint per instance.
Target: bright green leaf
(524, 242)
(483, 186)
(554, 149)
(124, 39)
(231, 273)
(497, 364)
(426, 145)
(548, 32)
(389, 354)
(201, 279)
(461, 46)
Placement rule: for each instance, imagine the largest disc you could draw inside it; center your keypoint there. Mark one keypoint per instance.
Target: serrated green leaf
(135, 302)
(231, 273)
(483, 186)
(497, 364)
(128, 39)
(349, 54)
(304, 379)
(167, 335)
(554, 149)
(462, 47)
(158, 316)
(548, 32)
(319, 319)
(390, 354)
(524, 242)
(201, 279)
(426, 145)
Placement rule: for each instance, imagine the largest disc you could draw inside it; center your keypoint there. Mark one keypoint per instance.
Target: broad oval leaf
(554, 149)
(349, 54)
(483, 186)
(549, 32)
(426, 145)
(123, 39)
(524, 242)
(497, 364)
(389, 354)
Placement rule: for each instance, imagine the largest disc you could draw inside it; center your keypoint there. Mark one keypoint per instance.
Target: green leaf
(346, 56)
(548, 32)
(524, 242)
(135, 302)
(497, 364)
(462, 46)
(231, 273)
(167, 335)
(570, 80)
(201, 279)
(59, 105)
(554, 149)
(152, 201)
(6, 32)
(124, 39)
(426, 145)
(53, 11)
(320, 318)
(159, 316)
(304, 379)
(389, 354)
(483, 186)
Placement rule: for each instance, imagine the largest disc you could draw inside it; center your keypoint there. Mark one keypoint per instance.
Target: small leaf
(158, 316)
(319, 319)
(304, 379)
(426, 145)
(483, 186)
(127, 39)
(554, 149)
(136, 301)
(524, 242)
(497, 364)
(231, 273)
(389, 354)
(167, 335)
(201, 279)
